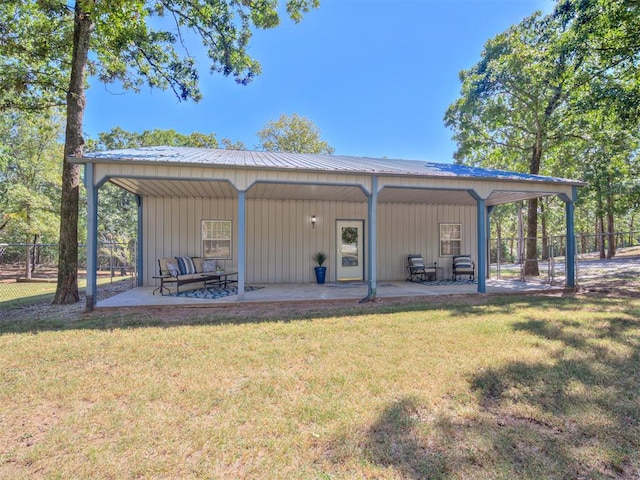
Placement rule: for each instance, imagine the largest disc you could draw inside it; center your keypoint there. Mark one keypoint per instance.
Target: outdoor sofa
(180, 271)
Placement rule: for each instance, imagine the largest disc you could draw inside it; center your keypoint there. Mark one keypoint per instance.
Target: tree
(34, 59)
(118, 138)
(610, 30)
(229, 144)
(292, 134)
(29, 178)
(515, 105)
(129, 44)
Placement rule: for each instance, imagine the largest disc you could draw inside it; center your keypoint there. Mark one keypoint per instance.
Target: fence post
(551, 262)
(111, 260)
(498, 254)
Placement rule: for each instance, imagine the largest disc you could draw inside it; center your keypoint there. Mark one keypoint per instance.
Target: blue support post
(571, 241)
(372, 234)
(139, 249)
(92, 237)
(482, 245)
(489, 212)
(242, 215)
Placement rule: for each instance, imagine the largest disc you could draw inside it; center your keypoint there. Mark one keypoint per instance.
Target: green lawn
(14, 294)
(515, 387)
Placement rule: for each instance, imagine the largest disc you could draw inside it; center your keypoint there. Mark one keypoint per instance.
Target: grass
(14, 294)
(518, 387)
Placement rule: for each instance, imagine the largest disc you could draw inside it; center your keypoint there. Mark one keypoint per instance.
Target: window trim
(450, 240)
(226, 225)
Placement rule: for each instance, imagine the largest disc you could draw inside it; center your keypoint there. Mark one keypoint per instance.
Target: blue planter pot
(320, 274)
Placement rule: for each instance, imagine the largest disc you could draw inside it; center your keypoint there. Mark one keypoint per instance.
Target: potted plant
(321, 271)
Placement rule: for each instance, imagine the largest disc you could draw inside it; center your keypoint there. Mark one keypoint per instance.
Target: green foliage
(320, 258)
(514, 103)
(132, 42)
(292, 134)
(117, 138)
(30, 180)
(35, 38)
(144, 42)
(231, 145)
(610, 30)
(559, 95)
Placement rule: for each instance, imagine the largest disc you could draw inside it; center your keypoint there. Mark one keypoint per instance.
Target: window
(216, 239)
(450, 239)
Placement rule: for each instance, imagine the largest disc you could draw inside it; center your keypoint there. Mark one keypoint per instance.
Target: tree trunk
(531, 243)
(601, 236)
(67, 289)
(611, 252)
(27, 270)
(531, 262)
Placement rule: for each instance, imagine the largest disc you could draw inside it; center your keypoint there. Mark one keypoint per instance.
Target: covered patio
(329, 292)
(279, 209)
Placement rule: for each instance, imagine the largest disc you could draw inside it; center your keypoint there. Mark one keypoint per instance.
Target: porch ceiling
(150, 187)
(280, 191)
(499, 197)
(428, 196)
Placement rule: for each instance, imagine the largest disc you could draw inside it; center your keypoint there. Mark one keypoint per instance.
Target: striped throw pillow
(185, 265)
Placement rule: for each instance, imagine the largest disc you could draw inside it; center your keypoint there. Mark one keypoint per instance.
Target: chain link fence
(29, 272)
(511, 259)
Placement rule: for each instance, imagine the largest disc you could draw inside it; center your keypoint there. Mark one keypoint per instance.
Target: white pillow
(173, 269)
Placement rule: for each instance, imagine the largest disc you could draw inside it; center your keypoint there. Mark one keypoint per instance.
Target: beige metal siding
(281, 241)
(405, 228)
(171, 227)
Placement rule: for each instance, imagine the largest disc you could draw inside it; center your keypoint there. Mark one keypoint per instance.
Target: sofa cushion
(417, 262)
(208, 266)
(164, 269)
(185, 265)
(462, 263)
(197, 263)
(192, 276)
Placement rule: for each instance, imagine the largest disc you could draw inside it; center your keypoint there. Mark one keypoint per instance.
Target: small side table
(161, 288)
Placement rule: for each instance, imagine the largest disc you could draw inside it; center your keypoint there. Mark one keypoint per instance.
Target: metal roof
(305, 162)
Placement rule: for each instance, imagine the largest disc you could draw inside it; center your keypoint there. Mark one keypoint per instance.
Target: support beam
(489, 212)
(242, 251)
(482, 245)
(139, 249)
(373, 239)
(570, 254)
(92, 237)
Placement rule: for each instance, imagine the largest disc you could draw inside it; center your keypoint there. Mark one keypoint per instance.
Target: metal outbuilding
(279, 209)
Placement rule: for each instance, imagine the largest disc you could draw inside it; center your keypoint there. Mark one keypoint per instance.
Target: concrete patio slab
(311, 292)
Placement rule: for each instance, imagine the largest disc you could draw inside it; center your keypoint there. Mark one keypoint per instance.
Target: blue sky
(375, 76)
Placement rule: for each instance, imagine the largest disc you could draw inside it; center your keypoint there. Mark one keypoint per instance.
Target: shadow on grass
(58, 317)
(23, 319)
(397, 440)
(574, 415)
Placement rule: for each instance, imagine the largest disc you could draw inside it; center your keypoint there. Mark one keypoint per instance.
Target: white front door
(349, 246)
